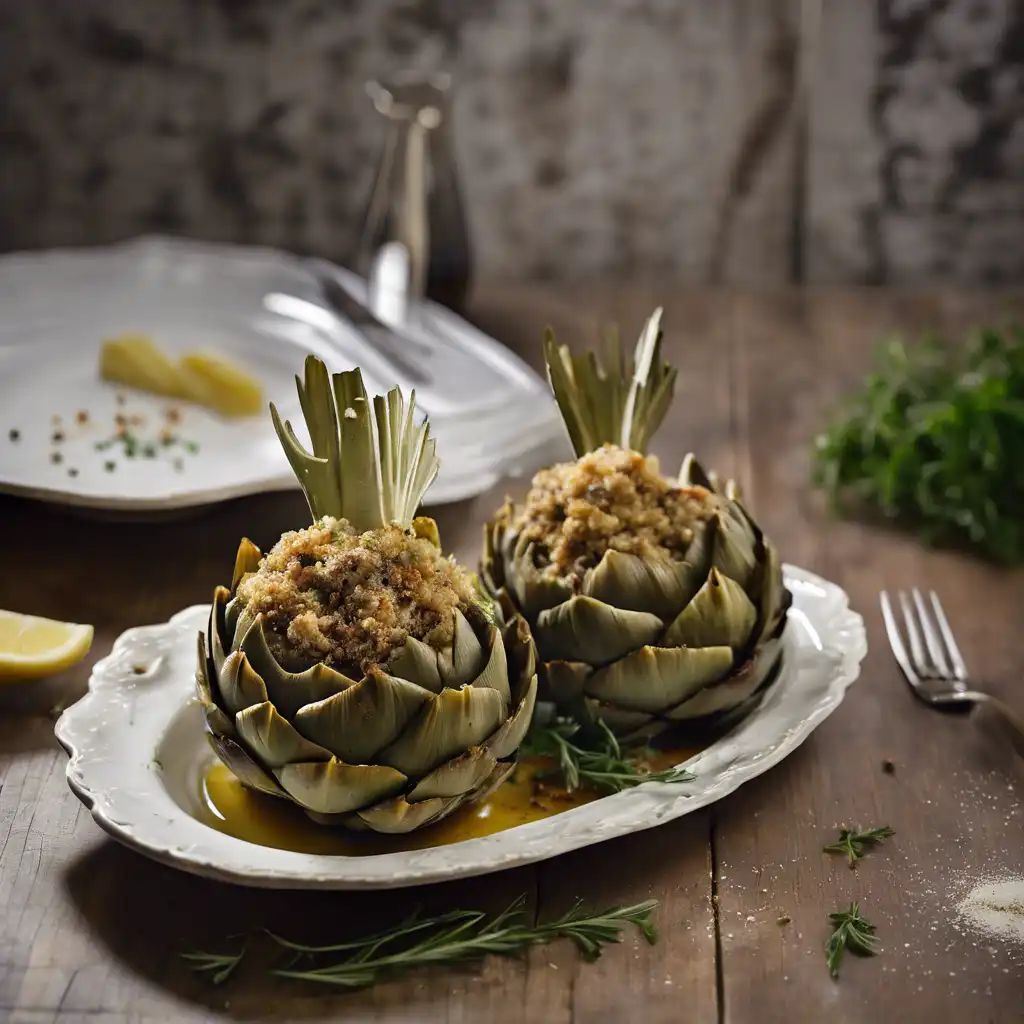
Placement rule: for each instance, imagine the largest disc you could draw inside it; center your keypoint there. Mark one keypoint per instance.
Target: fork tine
(913, 636)
(959, 667)
(931, 637)
(896, 641)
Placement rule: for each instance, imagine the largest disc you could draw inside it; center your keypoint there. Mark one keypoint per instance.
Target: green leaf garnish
(593, 757)
(849, 931)
(855, 842)
(933, 441)
(455, 937)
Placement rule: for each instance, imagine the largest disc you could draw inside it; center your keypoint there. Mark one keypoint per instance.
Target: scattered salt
(996, 908)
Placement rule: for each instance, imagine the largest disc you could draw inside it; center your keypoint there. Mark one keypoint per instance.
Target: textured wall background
(622, 136)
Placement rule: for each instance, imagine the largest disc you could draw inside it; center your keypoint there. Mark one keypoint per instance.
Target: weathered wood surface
(90, 932)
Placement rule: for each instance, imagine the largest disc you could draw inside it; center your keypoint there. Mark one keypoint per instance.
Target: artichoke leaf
(398, 815)
(621, 721)
(654, 678)
(231, 613)
(416, 661)
(509, 540)
(731, 692)
(464, 659)
(205, 680)
(333, 787)
(660, 586)
(585, 629)
(768, 590)
(506, 739)
(274, 740)
(692, 474)
(734, 547)
(521, 655)
(456, 777)
(244, 768)
(215, 718)
(243, 623)
(493, 560)
(533, 590)
(501, 772)
(358, 722)
(721, 615)
(240, 686)
(566, 679)
(246, 560)
(216, 721)
(445, 726)
(495, 672)
(289, 691)
(217, 629)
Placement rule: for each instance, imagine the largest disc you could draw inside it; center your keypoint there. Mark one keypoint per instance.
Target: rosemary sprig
(596, 759)
(849, 931)
(217, 967)
(854, 842)
(455, 937)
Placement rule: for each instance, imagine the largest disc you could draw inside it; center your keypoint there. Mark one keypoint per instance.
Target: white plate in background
(59, 305)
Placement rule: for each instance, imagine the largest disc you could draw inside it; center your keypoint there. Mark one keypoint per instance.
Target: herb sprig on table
(592, 756)
(850, 932)
(934, 441)
(454, 937)
(855, 842)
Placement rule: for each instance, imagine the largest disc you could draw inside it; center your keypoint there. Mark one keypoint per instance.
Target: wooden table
(90, 932)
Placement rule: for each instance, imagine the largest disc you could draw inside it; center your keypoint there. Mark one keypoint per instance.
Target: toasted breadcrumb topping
(609, 499)
(329, 594)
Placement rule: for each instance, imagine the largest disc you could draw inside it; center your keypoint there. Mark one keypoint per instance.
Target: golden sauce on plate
(230, 807)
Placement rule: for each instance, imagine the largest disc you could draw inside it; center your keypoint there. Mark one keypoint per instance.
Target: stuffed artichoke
(652, 601)
(354, 669)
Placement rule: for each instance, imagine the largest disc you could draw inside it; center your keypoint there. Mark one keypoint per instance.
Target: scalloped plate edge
(832, 664)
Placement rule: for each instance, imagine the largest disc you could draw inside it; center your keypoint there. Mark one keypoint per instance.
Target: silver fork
(934, 666)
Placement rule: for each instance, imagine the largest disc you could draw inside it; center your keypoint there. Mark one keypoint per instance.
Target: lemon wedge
(206, 379)
(31, 647)
(135, 361)
(217, 384)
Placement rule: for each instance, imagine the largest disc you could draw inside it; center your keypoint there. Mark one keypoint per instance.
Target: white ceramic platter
(138, 753)
(59, 305)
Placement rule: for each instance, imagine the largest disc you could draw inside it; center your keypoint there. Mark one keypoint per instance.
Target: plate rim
(842, 649)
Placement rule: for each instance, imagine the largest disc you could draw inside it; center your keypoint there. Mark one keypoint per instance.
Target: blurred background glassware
(415, 198)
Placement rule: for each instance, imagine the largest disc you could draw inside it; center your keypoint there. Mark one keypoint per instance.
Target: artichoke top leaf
(610, 402)
(370, 466)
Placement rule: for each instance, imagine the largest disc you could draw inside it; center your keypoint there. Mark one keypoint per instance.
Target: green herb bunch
(936, 442)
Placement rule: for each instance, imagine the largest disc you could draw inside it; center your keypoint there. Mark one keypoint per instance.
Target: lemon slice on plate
(31, 647)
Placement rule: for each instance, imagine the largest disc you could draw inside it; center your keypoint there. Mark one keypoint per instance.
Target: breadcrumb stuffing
(609, 499)
(329, 594)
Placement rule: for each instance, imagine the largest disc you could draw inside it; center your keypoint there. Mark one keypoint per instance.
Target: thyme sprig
(854, 843)
(454, 937)
(594, 758)
(850, 932)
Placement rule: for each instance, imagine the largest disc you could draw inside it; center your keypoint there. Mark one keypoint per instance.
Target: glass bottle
(416, 198)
